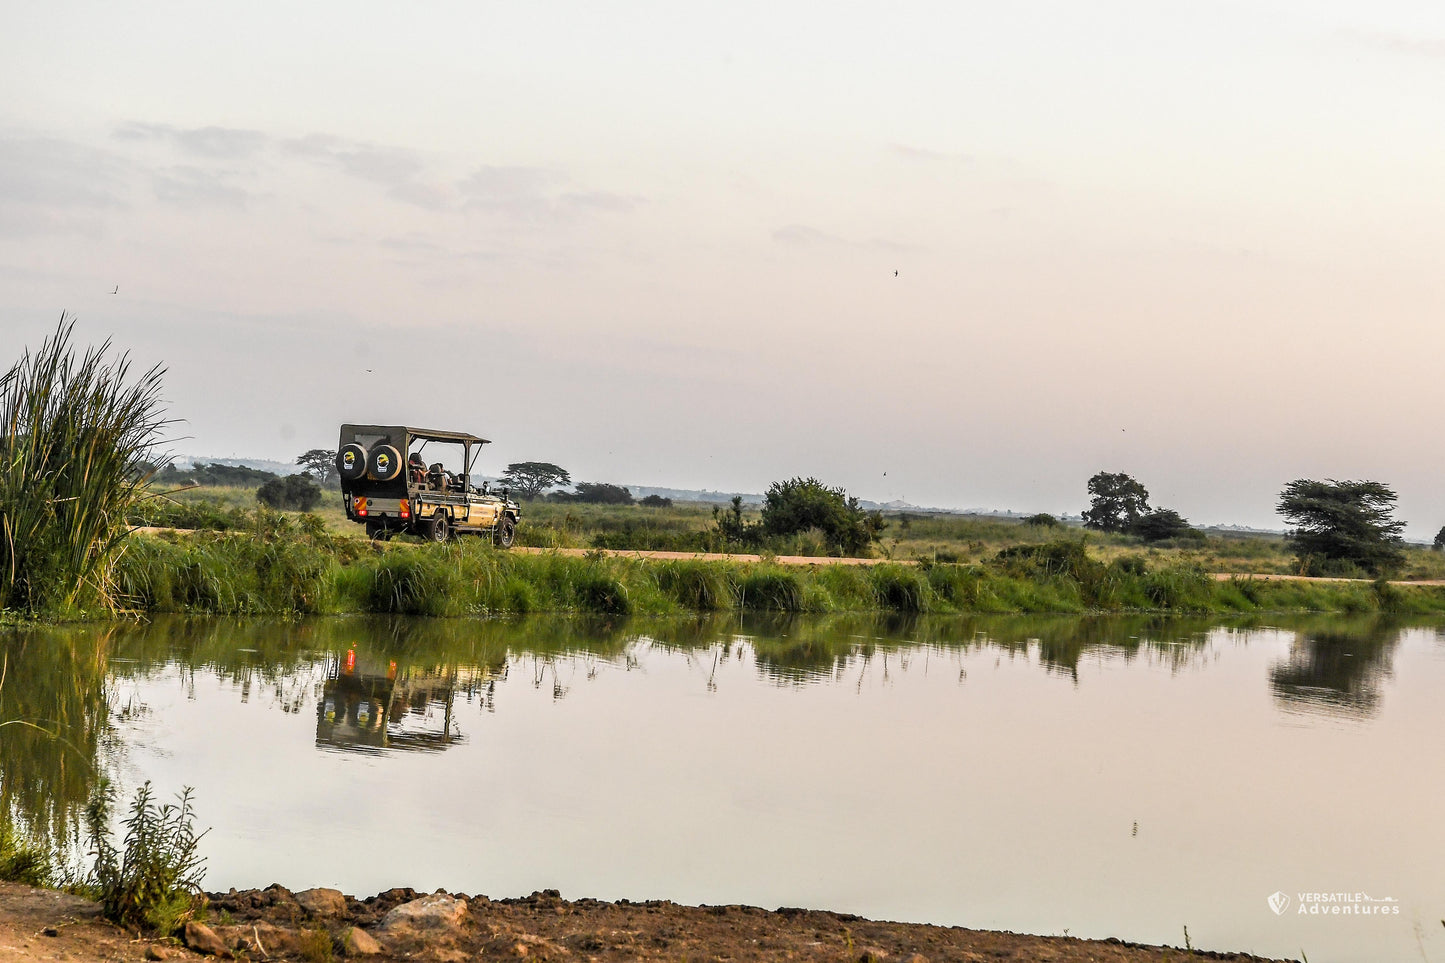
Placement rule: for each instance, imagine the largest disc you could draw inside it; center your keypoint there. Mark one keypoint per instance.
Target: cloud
(516, 191)
(397, 169)
(802, 235)
(195, 187)
(217, 143)
(49, 185)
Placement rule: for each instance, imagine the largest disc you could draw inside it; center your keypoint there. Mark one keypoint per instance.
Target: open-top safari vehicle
(388, 485)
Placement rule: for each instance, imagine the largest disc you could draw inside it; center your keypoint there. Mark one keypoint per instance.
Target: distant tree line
(221, 476)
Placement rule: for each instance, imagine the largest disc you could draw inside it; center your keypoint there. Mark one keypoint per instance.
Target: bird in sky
(895, 274)
(117, 289)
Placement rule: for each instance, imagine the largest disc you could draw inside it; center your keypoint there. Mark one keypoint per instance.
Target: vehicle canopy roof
(425, 434)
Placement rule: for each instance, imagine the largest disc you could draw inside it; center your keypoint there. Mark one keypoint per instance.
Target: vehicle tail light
(350, 661)
(360, 506)
(405, 508)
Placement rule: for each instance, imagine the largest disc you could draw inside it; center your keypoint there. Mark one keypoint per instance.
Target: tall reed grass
(75, 430)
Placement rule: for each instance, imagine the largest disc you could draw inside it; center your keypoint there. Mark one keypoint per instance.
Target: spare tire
(384, 463)
(351, 462)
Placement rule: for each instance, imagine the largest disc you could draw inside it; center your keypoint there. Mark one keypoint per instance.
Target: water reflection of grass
(71, 680)
(57, 686)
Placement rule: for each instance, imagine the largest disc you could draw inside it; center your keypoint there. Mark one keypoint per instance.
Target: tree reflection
(1337, 667)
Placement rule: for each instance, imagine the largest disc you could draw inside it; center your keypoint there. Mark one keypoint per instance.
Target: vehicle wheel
(505, 533)
(439, 530)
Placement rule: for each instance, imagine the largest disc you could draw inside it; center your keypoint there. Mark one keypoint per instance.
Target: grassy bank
(285, 565)
(688, 526)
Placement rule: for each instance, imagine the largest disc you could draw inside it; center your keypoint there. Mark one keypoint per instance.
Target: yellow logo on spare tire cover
(383, 462)
(350, 458)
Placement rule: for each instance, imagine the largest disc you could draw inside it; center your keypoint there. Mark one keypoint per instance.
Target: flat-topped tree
(319, 463)
(529, 479)
(1340, 525)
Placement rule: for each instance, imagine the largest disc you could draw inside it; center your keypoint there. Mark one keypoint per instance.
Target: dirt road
(830, 560)
(706, 556)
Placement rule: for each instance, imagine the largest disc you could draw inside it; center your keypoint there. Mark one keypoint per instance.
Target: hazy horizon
(961, 255)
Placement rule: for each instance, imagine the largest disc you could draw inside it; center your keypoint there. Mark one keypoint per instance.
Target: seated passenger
(416, 469)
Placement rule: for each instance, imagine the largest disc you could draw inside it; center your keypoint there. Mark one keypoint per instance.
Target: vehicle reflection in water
(367, 703)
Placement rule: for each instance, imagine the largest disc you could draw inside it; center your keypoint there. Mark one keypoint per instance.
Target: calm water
(1093, 777)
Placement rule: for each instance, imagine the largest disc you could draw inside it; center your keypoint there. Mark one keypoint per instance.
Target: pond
(1273, 786)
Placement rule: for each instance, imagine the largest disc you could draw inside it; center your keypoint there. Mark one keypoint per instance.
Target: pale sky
(656, 243)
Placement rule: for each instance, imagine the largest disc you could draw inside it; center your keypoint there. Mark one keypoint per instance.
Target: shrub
(1043, 520)
(799, 504)
(596, 493)
(1162, 524)
(155, 881)
(655, 501)
(295, 492)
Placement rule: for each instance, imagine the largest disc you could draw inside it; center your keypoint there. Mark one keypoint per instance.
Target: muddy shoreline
(402, 924)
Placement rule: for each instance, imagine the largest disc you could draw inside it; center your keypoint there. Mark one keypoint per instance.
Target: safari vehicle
(388, 485)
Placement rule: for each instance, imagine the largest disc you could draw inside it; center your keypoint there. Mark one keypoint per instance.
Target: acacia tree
(1118, 502)
(1439, 543)
(531, 478)
(319, 463)
(1338, 524)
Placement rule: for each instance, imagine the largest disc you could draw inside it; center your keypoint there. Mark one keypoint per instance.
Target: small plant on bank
(154, 882)
(22, 861)
(316, 946)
